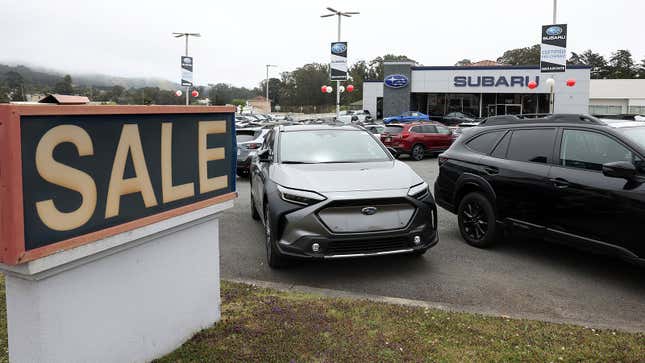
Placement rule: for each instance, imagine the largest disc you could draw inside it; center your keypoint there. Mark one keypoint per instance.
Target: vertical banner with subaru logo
(553, 50)
(339, 61)
(186, 71)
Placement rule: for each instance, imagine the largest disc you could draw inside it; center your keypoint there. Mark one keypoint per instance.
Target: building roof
(484, 63)
(65, 99)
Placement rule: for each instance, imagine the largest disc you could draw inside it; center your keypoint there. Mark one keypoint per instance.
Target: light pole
(347, 14)
(179, 35)
(267, 84)
(555, 11)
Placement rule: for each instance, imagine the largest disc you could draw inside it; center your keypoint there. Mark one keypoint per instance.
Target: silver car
(327, 192)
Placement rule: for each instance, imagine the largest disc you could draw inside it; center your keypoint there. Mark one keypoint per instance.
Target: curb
(428, 304)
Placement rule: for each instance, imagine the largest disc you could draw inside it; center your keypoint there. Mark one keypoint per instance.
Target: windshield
(330, 146)
(246, 135)
(636, 134)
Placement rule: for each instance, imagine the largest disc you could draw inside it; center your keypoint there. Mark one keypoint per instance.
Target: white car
(348, 117)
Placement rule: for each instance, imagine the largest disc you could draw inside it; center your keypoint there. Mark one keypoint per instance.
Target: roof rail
(540, 118)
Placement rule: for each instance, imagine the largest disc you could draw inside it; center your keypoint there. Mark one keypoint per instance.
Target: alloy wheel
(475, 221)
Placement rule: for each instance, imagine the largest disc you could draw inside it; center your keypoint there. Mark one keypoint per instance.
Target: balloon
(194, 93)
(350, 88)
(571, 82)
(178, 93)
(341, 89)
(532, 85)
(329, 89)
(323, 89)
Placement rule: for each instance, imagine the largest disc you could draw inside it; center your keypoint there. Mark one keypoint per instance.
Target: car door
(590, 205)
(260, 171)
(432, 140)
(518, 170)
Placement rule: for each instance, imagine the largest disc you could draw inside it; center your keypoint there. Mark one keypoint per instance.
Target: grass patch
(270, 326)
(266, 325)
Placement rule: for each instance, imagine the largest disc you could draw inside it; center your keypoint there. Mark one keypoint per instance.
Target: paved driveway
(520, 277)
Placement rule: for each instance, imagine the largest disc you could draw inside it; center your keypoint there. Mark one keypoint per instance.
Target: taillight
(253, 146)
(405, 134)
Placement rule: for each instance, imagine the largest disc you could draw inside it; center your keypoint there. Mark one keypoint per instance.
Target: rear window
(534, 146)
(393, 129)
(246, 135)
(485, 143)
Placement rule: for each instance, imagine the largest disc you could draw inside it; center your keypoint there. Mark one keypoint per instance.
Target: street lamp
(267, 83)
(339, 14)
(179, 35)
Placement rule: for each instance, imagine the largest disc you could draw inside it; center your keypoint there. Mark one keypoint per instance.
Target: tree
(598, 64)
(16, 86)
(376, 65)
(621, 65)
(641, 69)
(358, 74)
(4, 93)
(464, 62)
(64, 87)
(521, 56)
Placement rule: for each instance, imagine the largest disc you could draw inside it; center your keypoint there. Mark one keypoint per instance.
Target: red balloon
(571, 82)
(323, 89)
(194, 93)
(350, 88)
(532, 85)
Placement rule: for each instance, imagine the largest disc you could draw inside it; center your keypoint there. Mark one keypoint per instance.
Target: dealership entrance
(480, 104)
(480, 91)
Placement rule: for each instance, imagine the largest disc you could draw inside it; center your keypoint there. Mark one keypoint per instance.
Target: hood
(384, 175)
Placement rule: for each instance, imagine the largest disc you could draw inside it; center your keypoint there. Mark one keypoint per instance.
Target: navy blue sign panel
(86, 173)
(338, 66)
(396, 81)
(553, 50)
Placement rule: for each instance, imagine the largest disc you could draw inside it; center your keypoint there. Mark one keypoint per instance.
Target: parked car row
(334, 191)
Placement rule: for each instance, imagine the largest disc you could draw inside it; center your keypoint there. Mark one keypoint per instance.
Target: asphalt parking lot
(519, 277)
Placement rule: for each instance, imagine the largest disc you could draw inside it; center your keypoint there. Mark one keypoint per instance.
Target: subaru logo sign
(553, 30)
(338, 48)
(396, 81)
(369, 211)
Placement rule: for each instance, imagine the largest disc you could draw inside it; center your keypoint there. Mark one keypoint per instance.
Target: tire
(477, 220)
(274, 258)
(254, 212)
(417, 153)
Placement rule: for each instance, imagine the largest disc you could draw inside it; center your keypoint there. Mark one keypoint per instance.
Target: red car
(418, 138)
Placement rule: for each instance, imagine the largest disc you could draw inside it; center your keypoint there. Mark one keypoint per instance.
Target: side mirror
(619, 169)
(265, 156)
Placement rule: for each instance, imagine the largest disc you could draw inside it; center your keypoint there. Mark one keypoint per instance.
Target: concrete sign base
(145, 292)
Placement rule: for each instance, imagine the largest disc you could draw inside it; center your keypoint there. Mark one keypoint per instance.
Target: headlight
(419, 191)
(301, 197)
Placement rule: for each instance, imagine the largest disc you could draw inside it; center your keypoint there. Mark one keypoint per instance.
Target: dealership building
(496, 90)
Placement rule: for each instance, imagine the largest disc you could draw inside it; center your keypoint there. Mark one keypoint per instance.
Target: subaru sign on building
(479, 91)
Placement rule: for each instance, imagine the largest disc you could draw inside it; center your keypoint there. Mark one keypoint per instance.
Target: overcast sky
(132, 37)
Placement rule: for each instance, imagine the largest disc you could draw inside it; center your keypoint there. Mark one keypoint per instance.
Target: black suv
(572, 179)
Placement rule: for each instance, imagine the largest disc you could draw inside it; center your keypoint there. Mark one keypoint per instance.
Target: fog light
(315, 247)
(417, 240)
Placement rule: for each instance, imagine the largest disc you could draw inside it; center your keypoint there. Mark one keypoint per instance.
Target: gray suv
(327, 192)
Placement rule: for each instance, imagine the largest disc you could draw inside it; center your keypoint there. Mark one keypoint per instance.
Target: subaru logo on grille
(396, 81)
(368, 211)
(338, 48)
(553, 30)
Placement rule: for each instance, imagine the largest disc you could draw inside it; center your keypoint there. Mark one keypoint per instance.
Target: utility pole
(347, 14)
(267, 84)
(186, 35)
(555, 12)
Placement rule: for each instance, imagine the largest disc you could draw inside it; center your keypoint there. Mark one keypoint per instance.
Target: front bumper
(300, 227)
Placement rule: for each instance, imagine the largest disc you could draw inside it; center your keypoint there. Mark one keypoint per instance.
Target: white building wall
(371, 91)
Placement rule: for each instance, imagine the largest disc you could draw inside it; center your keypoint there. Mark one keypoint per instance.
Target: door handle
(491, 170)
(560, 183)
